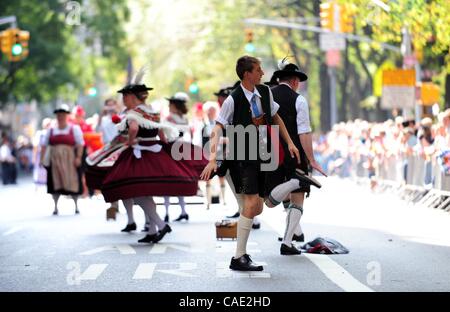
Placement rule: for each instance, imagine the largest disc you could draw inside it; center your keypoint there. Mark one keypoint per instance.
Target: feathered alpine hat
(136, 85)
(289, 69)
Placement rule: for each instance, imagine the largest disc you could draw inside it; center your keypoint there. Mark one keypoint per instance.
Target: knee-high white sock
(244, 227)
(182, 205)
(208, 194)
(167, 204)
(147, 219)
(128, 204)
(280, 192)
(293, 218)
(298, 230)
(149, 207)
(222, 192)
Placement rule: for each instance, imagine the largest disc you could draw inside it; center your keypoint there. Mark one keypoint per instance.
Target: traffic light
(92, 91)
(14, 44)
(346, 18)
(193, 88)
(327, 15)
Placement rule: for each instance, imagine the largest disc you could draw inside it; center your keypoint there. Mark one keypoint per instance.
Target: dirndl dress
(152, 167)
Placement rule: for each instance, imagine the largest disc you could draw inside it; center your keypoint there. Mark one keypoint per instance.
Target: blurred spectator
(39, 172)
(8, 161)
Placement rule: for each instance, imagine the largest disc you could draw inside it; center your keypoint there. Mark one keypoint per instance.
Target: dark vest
(243, 115)
(286, 98)
(242, 112)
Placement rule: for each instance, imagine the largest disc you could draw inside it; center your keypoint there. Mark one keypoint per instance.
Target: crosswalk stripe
(144, 271)
(93, 272)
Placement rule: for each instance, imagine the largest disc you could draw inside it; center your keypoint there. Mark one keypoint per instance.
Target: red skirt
(154, 174)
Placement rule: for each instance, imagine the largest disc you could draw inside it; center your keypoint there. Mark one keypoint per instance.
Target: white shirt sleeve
(226, 112)
(274, 106)
(46, 140)
(303, 123)
(78, 134)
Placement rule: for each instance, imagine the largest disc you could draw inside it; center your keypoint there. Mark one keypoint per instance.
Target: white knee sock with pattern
(293, 218)
(244, 227)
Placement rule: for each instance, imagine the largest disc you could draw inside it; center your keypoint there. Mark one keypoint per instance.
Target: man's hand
(209, 169)
(77, 162)
(294, 152)
(315, 165)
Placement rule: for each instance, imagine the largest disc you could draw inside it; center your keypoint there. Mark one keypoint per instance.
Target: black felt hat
(291, 70)
(272, 82)
(134, 88)
(223, 92)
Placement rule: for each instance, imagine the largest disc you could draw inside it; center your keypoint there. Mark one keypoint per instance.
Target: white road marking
(124, 249)
(183, 266)
(337, 274)
(162, 248)
(13, 230)
(93, 272)
(144, 271)
(223, 271)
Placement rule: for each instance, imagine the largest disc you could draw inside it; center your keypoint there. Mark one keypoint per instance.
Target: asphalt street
(393, 246)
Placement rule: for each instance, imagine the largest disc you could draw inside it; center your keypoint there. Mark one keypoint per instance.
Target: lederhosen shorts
(286, 171)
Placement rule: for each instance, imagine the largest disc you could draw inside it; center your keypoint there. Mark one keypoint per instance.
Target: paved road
(393, 247)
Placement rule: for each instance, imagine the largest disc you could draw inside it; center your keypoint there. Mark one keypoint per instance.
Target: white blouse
(78, 134)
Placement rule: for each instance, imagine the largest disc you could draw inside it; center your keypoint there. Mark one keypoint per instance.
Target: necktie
(255, 106)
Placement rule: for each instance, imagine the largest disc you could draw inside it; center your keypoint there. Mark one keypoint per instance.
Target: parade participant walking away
(8, 161)
(294, 112)
(250, 105)
(39, 172)
(63, 160)
(109, 131)
(210, 109)
(177, 118)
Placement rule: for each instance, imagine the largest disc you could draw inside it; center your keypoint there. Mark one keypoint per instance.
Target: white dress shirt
(301, 106)
(227, 110)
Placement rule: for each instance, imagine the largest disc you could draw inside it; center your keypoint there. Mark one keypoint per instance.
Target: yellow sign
(399, 77)
(430, 93)
(378, 77)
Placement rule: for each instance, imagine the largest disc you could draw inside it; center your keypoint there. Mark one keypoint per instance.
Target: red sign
(333, 58)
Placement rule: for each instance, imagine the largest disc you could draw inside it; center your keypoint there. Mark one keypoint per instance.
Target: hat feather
(140, 75)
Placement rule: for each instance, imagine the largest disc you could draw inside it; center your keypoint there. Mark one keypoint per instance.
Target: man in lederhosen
(249, 105)
(294, 112)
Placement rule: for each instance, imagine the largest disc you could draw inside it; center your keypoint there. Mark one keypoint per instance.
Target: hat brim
(175, 100)
(283, 73)
(125, 91)
(60, 111)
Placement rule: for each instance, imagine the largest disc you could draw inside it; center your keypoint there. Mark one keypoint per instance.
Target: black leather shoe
(244, 263)
(181, 217)
(297, 238)
(286, 250)
(256, 226)
(129, 228)
(145, 229)
(55, 212)
(162, 233)
(236, 215)
(306, 180)
(166, 218)
(147, 239)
